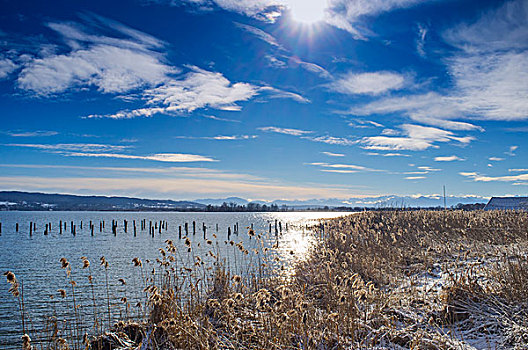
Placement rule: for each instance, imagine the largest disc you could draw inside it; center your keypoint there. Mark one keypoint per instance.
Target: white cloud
(417, 138)
(108, 151)
(448, 158)
(489, 71)
(428, 168)
(219, 137)
(373, 83)
(420, 41)
(199, 89)
(341, 168)
(364, 124)
(388, 154)
(6, 67)
(259, 33)
(330, 154)
(213, 117)
(160, 157)
(496, 159)
(502, 28)
(482, 178)
(37, 133)
(518, 170)
(73, 147)
(331, 140)
(107, 63)
(286, 131)
(511, 151)
(415, 177)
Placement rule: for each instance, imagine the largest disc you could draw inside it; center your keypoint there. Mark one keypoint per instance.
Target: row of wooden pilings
(153, 227)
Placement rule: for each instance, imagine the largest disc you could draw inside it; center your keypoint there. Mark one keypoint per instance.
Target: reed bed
(384, 280)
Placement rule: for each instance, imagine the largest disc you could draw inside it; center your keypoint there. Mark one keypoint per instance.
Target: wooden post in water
(179, 235)
(194, 228)
(204, 229)
(30, 229)
(228, 232)
(81, 224)
(46, 230)
(187, 229)
(217, 227)
(16, 227)
(125, 224)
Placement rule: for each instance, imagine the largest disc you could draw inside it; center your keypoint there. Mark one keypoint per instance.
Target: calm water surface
(35, 259)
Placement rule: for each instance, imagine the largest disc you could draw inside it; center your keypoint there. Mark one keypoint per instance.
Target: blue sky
(264, 99)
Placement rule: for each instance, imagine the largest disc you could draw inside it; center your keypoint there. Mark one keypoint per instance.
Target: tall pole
(445, 207)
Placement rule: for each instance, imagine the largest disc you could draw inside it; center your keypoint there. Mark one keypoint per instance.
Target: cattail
(10, 277)
(26, 342)
(123, 282)
(237, 278)
(137, 262)
(62, 292)
(86, 262)
(64, 263)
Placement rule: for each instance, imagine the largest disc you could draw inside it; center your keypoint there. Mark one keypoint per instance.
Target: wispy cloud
(37, 133)
(416, 138)
(331, 140)
(483, 178)
(73, 147)
(489, 71)
(343, 168)
(448, 158)
(259, 33)
(420, 41)
(220, 137)
(159, 157)
(6, 67)
(388, 154)
(496, 159)
(199, 89)
(364, 124)
(221, 119)
(518, 170)
(109, 151)
(415, 177)
(286, 131)
(330, 154)
(428, 168)
(111, 64)
(511, 151)
(373, 83)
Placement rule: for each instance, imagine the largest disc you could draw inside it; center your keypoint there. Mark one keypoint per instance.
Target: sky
(264, 99)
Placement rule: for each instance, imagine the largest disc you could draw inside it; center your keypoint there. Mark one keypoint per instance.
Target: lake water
(35, 259)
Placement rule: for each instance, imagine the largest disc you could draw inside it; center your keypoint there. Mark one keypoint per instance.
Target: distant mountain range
(14, 200)
(10, 200)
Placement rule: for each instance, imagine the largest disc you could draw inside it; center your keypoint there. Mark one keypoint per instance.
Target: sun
(307, 11)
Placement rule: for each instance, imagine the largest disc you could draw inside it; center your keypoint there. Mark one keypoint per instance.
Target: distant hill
(14, 200)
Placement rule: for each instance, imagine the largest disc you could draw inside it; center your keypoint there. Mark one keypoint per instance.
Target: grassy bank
(394, 280)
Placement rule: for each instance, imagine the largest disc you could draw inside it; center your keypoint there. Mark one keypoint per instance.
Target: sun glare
(307, 11)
